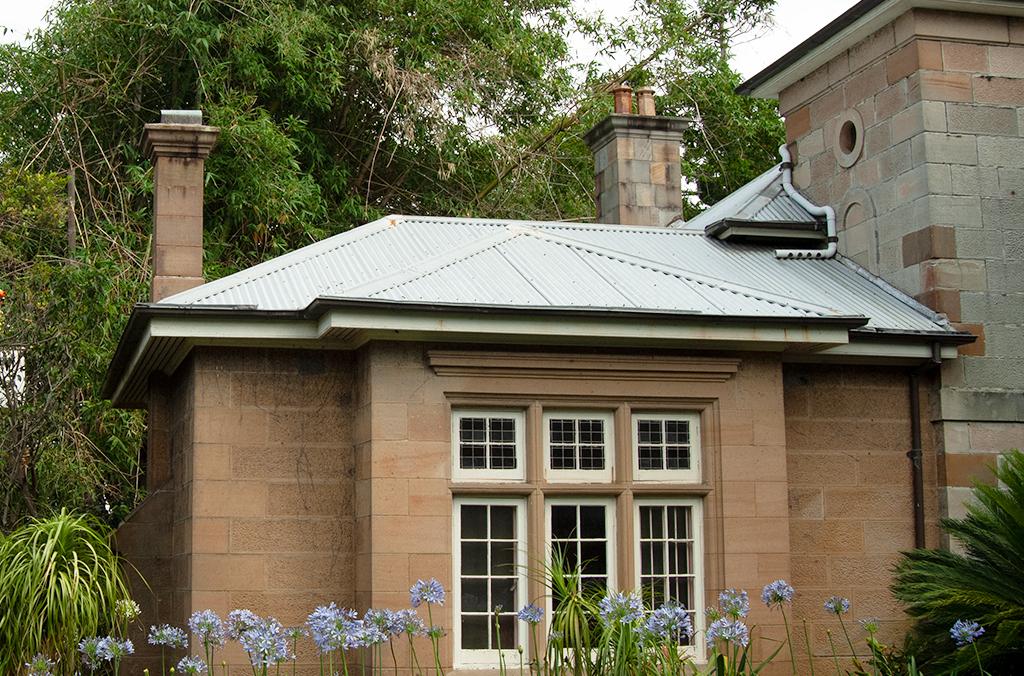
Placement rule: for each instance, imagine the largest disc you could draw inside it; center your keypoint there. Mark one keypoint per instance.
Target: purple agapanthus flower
(239, 621)
(965, 632)
(776, 593)
(334, 628)
(670, 622)
(426, 591)
(191, 665)
(167, 636)
(208, 626)
(730, 631)
(410, 623)
(621, 608)
(837, 605)
(89, 648)
(531, 614)
(734, 603)
(40, 665)
(265, 641)
(111, 648)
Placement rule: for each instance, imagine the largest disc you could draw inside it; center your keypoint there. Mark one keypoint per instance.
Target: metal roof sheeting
(460, 261)
(763, 200)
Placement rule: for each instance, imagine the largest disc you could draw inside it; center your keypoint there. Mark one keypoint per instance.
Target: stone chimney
(178, 146)
(637, 177)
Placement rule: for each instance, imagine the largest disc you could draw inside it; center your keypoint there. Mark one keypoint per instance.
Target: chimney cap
(181, 117)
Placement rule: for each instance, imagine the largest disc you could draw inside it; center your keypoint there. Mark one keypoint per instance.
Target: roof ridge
(430, 265)
(689, 276)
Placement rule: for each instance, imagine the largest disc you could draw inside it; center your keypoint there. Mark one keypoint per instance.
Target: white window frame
(696, 505)
(487, 659)
(581, 475)
(692, 475)
(517, 474)
(611, 533)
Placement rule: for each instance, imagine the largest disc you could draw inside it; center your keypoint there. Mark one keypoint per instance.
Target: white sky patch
(795, 20)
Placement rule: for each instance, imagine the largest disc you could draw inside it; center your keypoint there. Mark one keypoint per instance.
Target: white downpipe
(828, 212)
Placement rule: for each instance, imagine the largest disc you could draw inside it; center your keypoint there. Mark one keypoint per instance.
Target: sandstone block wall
(931, 202)
(850, 494)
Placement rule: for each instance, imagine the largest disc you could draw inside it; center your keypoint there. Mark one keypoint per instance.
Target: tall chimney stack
(178, 146)
(637, 177)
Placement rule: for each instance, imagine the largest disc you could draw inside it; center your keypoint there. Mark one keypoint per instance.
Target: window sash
(609, 539)
(489, 657)
(662, 448)
(572, 446)
(490, 445)
(695, 572)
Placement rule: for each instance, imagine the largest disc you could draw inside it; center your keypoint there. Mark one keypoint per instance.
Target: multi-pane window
(667, 564)
(490, 572)
(487, 445)
(580, 532)
(666, 447)
(578, 446)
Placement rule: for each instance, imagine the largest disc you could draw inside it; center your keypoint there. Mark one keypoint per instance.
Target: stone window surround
(538, 491)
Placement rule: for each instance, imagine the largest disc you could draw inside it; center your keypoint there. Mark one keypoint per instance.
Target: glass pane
(568, 550)
(474, 632)
(472, 430)
(651, 589)
(677, 432)
(657, 558)
(592, 521)
(645, 557)
(677, 457)
(679, 589)
(679, 558)
(594, 556)
(503, 558)
(472, 456)
(646, 515)
(591, 457)
(679, 523)
(507, 623)
(503, 457)
(563, 521)
(648, 431)
(474, 595)
(563, 457)
(503, 430)
(592, 432)
(474, 522)
(649, 457)
(503, 593)
(503, 520)
(474, 558)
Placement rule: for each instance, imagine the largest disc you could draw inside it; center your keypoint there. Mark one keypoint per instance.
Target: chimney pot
(623, 99)
(181, 117)
(645, 101)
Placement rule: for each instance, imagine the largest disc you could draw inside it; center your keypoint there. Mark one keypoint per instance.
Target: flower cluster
(669, 623)
(208, 626)
(965, 633)
(734, 604)
(335, 628)
(730, 631)
(837, 605)
(531, 614)
(127, 609)
(426, 591)
(776, 593)
(99, 649)
(264, 639)
(40, 665)
(621, 608)
(167, 636)
(191, 665)
(240, 621)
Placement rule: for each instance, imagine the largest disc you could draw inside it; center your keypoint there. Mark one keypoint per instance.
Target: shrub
(985, 584)
(59, 581)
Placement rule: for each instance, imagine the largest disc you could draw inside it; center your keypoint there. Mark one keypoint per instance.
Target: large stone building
(685, 406)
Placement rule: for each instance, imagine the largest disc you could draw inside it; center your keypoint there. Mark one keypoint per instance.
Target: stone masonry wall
(931, 201)
(850, 494)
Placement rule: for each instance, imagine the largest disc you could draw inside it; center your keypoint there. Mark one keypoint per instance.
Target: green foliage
(984, 584)
(332, 112)
(59, 582)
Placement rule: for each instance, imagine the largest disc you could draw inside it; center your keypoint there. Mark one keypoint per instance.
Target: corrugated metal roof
(459, 261)
(763, 200)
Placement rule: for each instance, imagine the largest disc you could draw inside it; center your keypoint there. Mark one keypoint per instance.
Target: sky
(794, 21)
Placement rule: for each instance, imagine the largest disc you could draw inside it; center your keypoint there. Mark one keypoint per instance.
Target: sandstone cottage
(687, 406)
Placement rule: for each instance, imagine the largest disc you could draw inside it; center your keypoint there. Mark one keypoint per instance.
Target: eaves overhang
(158, 336)
(846, 30)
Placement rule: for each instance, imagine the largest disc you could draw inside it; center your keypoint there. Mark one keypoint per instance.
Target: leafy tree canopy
(332, 112)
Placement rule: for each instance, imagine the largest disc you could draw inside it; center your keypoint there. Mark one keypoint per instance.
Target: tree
(332, 112)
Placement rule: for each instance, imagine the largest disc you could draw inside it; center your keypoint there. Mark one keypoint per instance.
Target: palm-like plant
(984, 584)
(59, 581)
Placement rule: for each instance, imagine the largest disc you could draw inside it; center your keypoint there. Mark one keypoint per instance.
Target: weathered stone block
(965, 57)
(974, 119)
